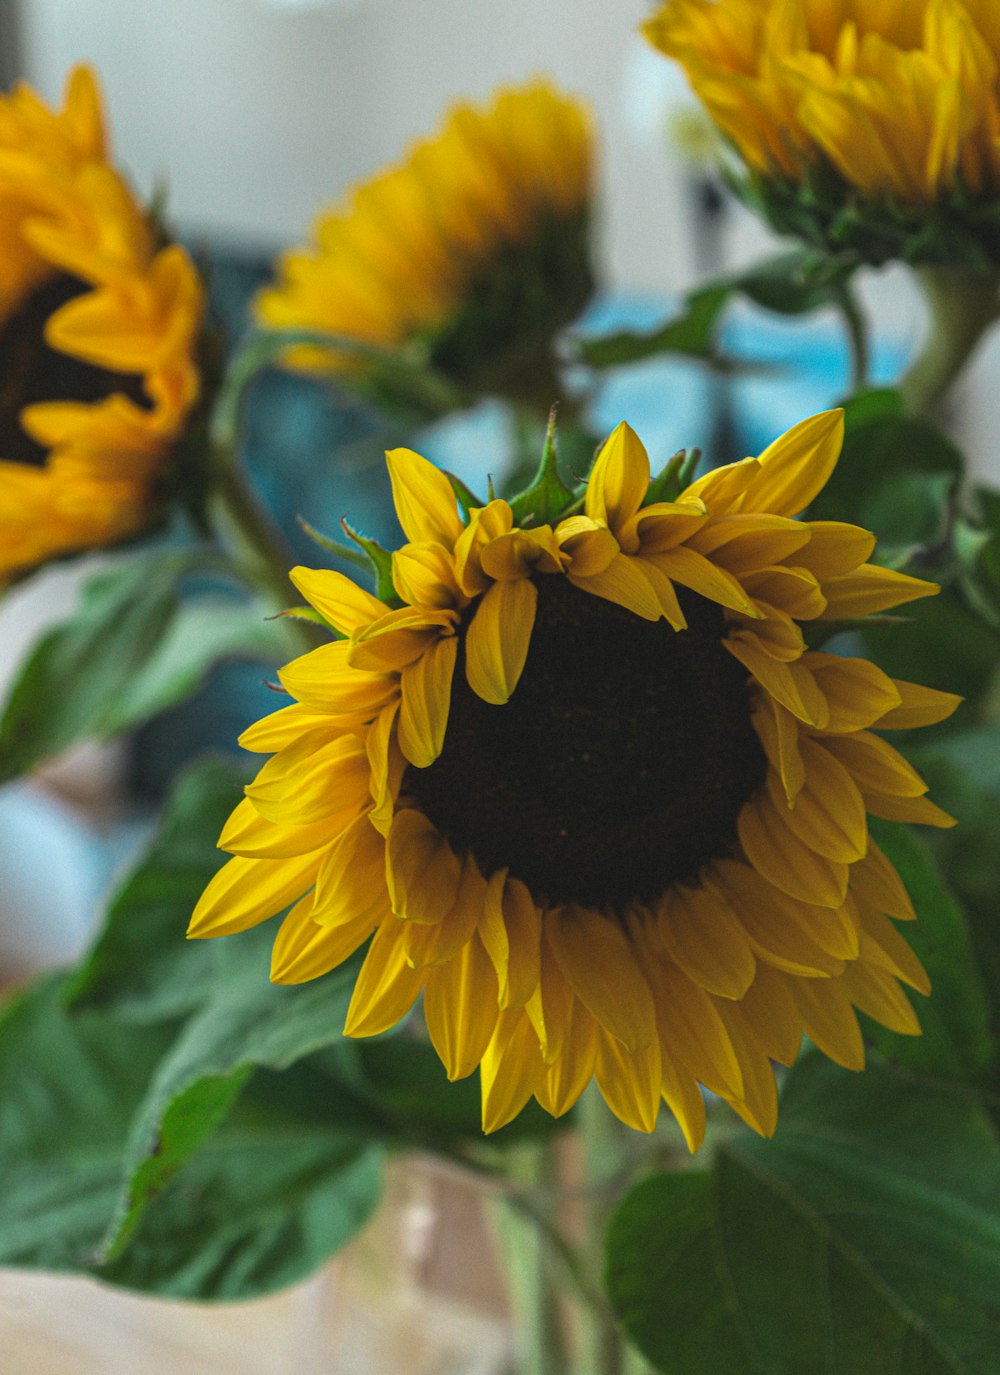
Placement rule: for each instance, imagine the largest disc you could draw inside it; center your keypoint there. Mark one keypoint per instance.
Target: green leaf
(66, 1084)
(128, 650)
(262, 1205)
(141, 967)
(792, 283)
(863, 1240)
(690, 332)
(244, 1021)
(267, 1198)
(956, 1040)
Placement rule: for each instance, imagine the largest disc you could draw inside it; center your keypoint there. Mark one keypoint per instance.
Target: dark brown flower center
(618, 767)
(31, 372)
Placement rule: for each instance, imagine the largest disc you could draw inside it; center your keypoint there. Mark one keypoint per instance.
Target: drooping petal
(422, 870)
(386, 987)
(304, 950)
(426, 697)
(595, 957)
(460, 1011)
(497, 639)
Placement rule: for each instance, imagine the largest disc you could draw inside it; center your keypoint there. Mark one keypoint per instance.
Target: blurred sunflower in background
(587, 791)
(99, 327)
(873, 127)
(466, 259)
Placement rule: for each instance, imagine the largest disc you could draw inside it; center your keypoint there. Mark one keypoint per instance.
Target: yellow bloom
(469, 255)
(588, 792)
(98, 327)
(900, 99)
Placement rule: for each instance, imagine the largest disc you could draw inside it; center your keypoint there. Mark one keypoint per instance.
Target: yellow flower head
(468, 256)
(584, 787)
(889, 106)
(98, 327)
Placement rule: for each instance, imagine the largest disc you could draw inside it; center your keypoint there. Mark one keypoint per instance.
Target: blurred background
(253, 114)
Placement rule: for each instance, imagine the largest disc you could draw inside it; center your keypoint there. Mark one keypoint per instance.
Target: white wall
(259, 110)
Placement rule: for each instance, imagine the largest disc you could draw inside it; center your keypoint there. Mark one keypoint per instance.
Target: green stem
(608, 1155)
(857, 333)
(525, 1239)
(258, 550)
(962, 304)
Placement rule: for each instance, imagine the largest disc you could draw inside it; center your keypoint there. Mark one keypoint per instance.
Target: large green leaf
(129, 650)
(141, 967)
(863, 1240)
(267, 1198)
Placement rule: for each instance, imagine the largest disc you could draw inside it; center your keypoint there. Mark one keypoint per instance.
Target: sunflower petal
(497, 639)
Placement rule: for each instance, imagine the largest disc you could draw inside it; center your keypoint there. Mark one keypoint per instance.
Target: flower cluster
(468, 256)
(98, 329)
(880, 113)
(585, 789)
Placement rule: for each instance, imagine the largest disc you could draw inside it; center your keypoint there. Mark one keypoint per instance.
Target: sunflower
(466, 258)
(584, 788)
(98, 326)
(860, 116)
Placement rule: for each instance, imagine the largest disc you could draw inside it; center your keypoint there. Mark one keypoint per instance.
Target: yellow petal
(426, 698)
(623, 583)
(323, 681)
(835, 548)
(422, 870)
(386, 987)
(497, 640)
(619, 479)
(790, 684)
(338, 600)
(596, 958)
(876, 883)
(796, 467)
(870, 589)
(511, 1069)
(460, 1007)
(829, 813)
(777, 853)
(629, 1081)
(857, 693)
(705, 939)
(303, 950)
(424, 499)
(875, 765)
(693, 570)
(918, 706)
(247, 891)
(351, 883)
(829, 1021)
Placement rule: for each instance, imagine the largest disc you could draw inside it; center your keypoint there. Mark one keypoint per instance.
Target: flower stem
(962, 305)
(608, 1150)
(245, 528)
(533, 1293)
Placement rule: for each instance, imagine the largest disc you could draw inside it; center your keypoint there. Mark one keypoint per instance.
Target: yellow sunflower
(468, 256)
(898, 101)
(98, 327)
(585, 789)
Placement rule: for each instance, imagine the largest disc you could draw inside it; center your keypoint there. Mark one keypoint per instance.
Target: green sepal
(465, 496)
(546, 499)
(335, 547)
(958, 230)
(675, 477)
(305, 613)
(380, 563)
